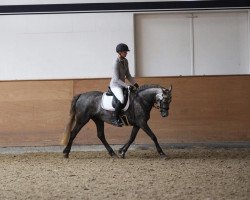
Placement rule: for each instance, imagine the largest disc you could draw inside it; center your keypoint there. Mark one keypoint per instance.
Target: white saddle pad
(107, 103)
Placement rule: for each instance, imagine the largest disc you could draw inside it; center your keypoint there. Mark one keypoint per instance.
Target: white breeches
(118, 93)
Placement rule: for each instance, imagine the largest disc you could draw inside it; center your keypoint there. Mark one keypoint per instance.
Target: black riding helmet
(122, 47)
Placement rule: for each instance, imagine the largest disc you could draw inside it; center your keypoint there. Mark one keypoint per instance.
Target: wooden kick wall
(203, 109)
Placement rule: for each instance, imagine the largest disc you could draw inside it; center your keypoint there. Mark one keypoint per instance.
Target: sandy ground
(195, 173)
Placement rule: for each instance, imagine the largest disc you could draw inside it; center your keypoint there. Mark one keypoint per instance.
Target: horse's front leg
(101, 136)
(124, 149)
(150, 133)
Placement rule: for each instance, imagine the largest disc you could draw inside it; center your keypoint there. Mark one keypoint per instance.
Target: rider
(117, 83)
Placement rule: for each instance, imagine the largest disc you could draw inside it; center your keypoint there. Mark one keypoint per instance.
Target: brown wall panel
(206, 109)
(33, 112)
(203, 109)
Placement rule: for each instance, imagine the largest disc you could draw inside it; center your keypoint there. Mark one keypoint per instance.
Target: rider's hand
(132, 88)
(136, 85)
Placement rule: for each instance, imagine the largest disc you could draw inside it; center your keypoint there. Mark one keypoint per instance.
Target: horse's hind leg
(124, 149)
(73, 134)
(101, 136)
(150, 133)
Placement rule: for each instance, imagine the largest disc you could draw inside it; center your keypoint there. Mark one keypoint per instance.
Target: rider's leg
(118, 92)
(118, 109)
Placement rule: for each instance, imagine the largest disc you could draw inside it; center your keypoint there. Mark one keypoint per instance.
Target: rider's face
(123, 54)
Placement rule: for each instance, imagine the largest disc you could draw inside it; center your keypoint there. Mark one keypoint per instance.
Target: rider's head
(122, 49)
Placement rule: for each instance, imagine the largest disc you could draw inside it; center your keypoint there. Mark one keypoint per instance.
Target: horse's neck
(149, 95)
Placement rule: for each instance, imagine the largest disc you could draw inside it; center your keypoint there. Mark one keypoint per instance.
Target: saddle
(109, 100)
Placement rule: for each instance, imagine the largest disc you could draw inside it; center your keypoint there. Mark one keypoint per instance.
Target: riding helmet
(122, 47)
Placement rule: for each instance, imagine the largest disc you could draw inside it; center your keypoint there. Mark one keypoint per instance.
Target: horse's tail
(71, 121)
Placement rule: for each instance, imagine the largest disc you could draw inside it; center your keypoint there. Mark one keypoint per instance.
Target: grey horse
(87, 106)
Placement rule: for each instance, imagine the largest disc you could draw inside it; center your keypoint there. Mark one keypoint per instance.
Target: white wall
(221, 45)
(208, 43)
(163, 45)
(62, 46)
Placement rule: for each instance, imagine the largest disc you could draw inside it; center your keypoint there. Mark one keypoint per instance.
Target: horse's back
(90, 95)
(89, 99)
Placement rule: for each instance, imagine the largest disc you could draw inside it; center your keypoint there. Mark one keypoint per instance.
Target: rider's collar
(121, 59)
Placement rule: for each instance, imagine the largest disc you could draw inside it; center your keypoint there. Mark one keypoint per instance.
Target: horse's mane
(144, 87)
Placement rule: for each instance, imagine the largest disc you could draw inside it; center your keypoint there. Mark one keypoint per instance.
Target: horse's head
(163, 100)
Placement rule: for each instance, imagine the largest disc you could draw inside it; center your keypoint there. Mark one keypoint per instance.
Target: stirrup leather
(124, 120)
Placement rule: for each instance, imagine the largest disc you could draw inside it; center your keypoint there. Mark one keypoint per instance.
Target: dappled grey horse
(87, 106)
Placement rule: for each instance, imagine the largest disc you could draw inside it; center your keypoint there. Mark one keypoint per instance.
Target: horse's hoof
(120, 150)
(163, 155)
(113, 155)
(66, 155)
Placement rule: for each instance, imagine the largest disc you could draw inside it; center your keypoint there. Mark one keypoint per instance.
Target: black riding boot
(118, 108)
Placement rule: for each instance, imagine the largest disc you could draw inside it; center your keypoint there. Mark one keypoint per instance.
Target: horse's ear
(170, 88)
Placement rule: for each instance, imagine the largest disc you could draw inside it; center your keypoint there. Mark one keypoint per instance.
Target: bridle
(160, 100)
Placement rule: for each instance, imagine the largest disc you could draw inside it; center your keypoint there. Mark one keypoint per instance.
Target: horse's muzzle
(164, 113)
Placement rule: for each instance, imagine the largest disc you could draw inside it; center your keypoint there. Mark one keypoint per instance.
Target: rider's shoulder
(121, 60)
(116, 62)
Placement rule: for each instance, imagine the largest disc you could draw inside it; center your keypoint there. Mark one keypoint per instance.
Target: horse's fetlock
(162, 154)
(122, 153)
(120, 150)
(66, 150)
(66, 155)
